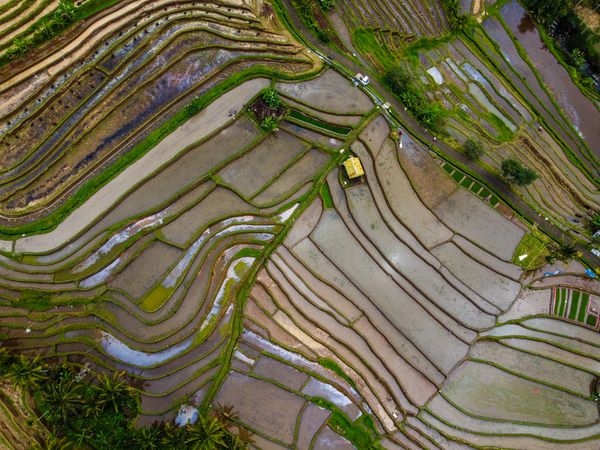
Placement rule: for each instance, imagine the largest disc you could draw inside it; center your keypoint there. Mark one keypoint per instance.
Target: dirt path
(212, 118)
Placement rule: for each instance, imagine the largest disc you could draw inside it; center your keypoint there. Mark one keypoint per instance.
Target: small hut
(353, 167)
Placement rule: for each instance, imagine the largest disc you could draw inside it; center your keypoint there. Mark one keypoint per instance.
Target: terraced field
(153, 224)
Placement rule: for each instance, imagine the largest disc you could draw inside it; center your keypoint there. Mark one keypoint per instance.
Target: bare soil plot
(468, 216)
(250, 172)
(328, 439)
(484, 391)
(147, 269)
(495, 288)
(432, 185)
(311, 421)
(423, 330)
(262, 405)
(329, 92)
(298, 174)
(533, 367)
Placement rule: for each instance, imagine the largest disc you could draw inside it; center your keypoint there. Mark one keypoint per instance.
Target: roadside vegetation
(309, 11)
(473, 149)
(429, 113)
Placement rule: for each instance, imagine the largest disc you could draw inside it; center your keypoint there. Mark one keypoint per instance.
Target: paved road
(409, 124)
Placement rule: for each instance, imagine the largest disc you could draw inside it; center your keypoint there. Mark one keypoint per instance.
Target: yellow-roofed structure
(353, 167)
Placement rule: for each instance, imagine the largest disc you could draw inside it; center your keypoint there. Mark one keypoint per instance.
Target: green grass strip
(458, 176)
(333, 366)
(591, 320)
(585, 300)
(556, 303)
(361, 433)
(326, 196)
(466, 182)
(563, 306)
(561, 302)
(574, 305)
(338, 129)
(448, 168)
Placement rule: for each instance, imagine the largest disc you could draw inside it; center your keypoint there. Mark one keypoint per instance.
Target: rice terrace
(300, 224)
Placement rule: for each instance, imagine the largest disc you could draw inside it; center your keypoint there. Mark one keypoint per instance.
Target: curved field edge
(51, 221)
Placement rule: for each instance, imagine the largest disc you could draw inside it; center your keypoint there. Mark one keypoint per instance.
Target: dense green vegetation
(534, 246)
(366, 42)
(561, 252)
(294, 114)
(361, 433)
(428, 113)
(83, 410)
(456, 20)
(271, 98)
(517, 173)
(269, 124)
(473, 149)
(308, 13)
(325, 5)
(326, 197)
(576, 43)
(594, 224)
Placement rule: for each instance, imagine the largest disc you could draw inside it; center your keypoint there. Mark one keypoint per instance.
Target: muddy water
(580, 110)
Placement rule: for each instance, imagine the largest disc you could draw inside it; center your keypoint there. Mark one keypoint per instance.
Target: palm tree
(173, 437)
(224, 413)
(206, 434)
(148, 438)
(66, 11)
(26, 372)
(63, 399)
(112, 391)
(53, 442)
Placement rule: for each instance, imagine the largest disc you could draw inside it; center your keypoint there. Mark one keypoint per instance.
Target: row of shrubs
(85, 410)
(429, 114)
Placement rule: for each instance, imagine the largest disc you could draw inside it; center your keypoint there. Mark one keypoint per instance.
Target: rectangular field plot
(578, 306)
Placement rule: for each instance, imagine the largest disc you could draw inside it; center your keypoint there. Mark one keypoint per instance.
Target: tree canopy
(517, 173)
(473, 149)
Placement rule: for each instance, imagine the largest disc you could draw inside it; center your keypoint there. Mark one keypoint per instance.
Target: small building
(353, 167)
(364, 79)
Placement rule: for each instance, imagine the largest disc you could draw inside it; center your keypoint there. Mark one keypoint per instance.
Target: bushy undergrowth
(361, 433)
(574, 41)
(456, 20)
(473, 149)
(428, 113)
(307, 12)
(85, 410)
(517, 173)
